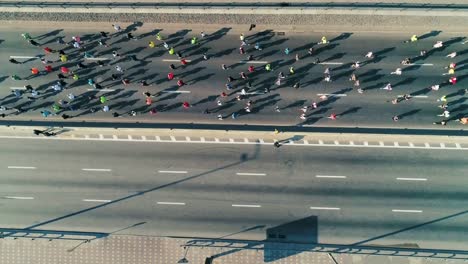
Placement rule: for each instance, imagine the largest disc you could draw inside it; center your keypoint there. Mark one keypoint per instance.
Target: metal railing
(231, 5)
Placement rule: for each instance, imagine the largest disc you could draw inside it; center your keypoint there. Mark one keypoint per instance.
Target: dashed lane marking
(18, 197)
(411, 179)
(331, 63)
(421, 64)
(251, 93)
(170, 203)
(250, 174)
(91, 169)
(247, 205)
(98, 58)
(253, 61)
(330, 176)
(173, 60)
(406, 211)
(414, 96)
(325, 208)
(21, 167)
(18, 88)
(175, 91)
(24, 57)
(338, 95)
(102, 90)
(96, 201)
(174, 172)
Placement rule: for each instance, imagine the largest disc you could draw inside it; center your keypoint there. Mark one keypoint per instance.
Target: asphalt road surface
(206, 80)
(331, 195)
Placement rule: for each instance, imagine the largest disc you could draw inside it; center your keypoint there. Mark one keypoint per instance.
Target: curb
(239, 8)
(245, 127)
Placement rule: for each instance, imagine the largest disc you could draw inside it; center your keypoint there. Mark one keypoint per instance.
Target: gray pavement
(355, 195)
(206, 79)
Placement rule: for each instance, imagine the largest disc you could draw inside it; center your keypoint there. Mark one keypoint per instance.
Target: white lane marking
(21, 167)
(247, 205)
(251, 93)
(339, 95)
(331, 63)
(18, 197)
(102, 90)
(173, 60)
(330, 176)
(414, 96)
(421, 64)
(253, 61)
(88, 169)
(177, 172)
(171, 203)
(18, 88)
(175, 91)
(98, 58)
(411, 179)
(406, 211)
(250, 174)
(324, 208)
(246, 141)
(24, 57)
(96, 201)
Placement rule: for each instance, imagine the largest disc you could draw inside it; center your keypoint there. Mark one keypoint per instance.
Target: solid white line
(411, 179)
(330, 176)
(17, 88)
(324, 208)
(24, 57)
(331, 63)
(180, 172)
(406, 211)
(21, 167)
(247, 205)
(332, 94)
(98, 58)
(171, 203)
(172, 60)
(96, 200)
(102, 90)
(175, 91)
(18, 197)
(96, 169)
(255, 62)
(250, 174)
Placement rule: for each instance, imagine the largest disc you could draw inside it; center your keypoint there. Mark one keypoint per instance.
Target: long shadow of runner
(409, 113)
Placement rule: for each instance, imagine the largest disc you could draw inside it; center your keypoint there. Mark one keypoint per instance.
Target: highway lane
(206, 190)
(206, 79)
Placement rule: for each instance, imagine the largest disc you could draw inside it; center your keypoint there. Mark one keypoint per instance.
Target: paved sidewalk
(122, 249)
